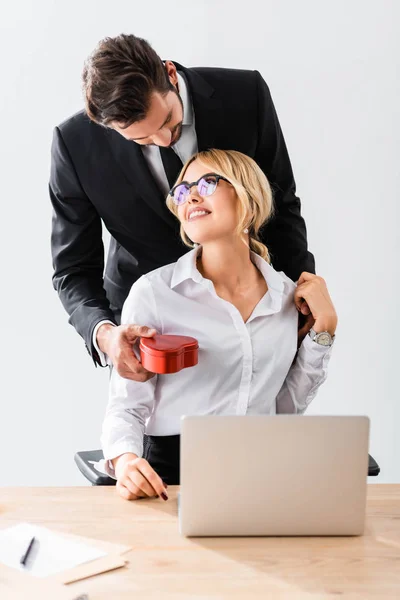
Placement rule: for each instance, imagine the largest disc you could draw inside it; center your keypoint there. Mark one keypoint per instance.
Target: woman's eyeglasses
(206, 185)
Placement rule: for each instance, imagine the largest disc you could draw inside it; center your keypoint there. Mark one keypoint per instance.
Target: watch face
(324, 339)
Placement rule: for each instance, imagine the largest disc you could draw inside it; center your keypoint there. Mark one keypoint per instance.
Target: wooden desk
(164, 565)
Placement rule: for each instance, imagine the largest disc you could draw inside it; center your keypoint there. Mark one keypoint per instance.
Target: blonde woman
(226, 294)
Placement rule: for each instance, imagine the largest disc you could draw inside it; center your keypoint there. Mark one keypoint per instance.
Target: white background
(331, 67)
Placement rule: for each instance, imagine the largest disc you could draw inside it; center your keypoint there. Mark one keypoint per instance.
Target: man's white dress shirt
(244, 368)
(185, 147)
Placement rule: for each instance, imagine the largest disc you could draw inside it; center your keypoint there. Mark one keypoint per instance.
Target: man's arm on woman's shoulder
(286, 234)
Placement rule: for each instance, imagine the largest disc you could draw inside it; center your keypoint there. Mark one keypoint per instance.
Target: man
(116, 161)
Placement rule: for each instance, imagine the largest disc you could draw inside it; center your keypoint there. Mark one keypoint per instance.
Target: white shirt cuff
(313, 351)
(104, 467)
(102, 357)
(109, 469)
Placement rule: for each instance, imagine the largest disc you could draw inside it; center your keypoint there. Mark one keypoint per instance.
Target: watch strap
(314, 336)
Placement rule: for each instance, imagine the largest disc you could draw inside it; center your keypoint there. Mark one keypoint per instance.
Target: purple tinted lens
(206, 186)
(181, 194)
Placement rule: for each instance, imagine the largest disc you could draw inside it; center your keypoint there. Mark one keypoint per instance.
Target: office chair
(84, 462)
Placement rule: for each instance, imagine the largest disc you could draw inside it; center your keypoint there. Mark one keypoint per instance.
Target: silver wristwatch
(324, 338)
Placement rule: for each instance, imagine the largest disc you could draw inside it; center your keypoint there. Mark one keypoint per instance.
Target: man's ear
(171, 71)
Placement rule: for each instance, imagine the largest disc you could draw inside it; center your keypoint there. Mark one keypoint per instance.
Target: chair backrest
(85, 460)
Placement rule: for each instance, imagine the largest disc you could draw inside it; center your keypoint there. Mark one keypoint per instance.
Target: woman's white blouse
(244, 368)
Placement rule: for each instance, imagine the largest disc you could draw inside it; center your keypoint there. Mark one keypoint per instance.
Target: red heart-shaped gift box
(168, 353)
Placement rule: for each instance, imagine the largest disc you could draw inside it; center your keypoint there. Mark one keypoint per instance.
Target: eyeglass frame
(195, 183)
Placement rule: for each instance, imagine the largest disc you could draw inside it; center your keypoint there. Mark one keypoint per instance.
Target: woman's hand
(312, 295)
(137, 479)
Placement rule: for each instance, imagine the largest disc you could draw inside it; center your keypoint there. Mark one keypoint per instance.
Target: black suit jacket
(97, 175)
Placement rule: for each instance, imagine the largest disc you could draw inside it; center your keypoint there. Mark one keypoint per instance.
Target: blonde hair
(255, 205)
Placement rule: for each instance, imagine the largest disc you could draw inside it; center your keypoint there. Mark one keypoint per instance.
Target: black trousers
(163, 454)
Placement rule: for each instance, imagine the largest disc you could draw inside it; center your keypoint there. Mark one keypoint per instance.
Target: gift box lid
(172, 345)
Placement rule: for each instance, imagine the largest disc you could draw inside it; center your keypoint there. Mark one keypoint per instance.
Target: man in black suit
(115, 162)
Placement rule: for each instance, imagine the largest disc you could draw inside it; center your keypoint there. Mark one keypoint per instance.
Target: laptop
(280, 475)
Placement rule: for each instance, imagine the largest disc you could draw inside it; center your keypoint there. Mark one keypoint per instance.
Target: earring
(245, 230)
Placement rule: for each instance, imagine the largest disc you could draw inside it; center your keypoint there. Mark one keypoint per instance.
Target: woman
(244, 314)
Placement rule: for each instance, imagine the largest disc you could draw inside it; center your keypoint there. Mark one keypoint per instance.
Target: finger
(129, 362)
(134, 331)
(124, 492)
(305, 276)
(305, 293)
(299, 295)
(154, 480)
(134, 370)
(131, 486)
(132, 366)
(147, 332)
(141, 482)
(302, 305)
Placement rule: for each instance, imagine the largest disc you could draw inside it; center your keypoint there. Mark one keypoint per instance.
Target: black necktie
(172, 164)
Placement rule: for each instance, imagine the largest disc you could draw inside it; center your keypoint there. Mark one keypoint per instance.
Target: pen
(25, 556)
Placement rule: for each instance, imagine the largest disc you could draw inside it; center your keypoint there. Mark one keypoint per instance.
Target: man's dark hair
(119, 78)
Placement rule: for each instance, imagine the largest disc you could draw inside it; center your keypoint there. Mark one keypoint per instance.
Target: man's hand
(314, 305)
(117, 343)
(137, 479)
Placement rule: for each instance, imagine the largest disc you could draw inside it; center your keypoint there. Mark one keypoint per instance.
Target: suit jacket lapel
(130, 158)
(207, 109)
